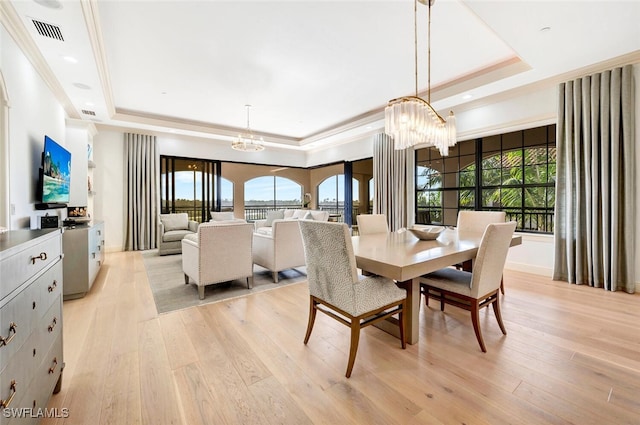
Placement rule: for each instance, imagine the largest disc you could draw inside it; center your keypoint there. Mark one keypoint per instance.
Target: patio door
(189, 185)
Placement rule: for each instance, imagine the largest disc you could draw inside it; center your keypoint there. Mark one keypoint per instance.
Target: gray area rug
(170, 293)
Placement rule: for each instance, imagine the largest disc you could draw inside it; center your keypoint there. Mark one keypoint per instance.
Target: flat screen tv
(55, 176)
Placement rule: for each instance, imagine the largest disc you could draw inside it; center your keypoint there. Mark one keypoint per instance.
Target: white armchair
(219, 252)
(171, 229)
(279, 249)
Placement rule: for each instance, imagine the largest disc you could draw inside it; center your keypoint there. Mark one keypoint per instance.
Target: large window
(188, 185)
(513, 172)
(331, 196)
(269, 193)
(226, 195)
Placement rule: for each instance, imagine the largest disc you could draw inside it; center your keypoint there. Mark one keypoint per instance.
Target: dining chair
(369, 224)
(476, 222)
(479, 288)
(336, 288)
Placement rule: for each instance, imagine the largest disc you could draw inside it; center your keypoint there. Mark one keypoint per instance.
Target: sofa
(277, 241)
(171, 229)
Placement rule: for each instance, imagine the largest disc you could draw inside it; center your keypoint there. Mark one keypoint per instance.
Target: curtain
(595, 202)
(394, 180)
(143, 195)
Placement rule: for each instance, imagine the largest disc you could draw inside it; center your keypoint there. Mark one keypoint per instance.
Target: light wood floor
(571, 356)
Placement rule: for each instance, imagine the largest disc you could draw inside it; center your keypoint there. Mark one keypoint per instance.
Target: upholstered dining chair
(479, 288)
(476, 222)
(336, 288)
(369, 224)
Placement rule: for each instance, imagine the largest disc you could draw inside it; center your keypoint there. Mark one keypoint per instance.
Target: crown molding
(20, 35)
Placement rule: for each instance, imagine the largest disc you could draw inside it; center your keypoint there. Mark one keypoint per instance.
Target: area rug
(170, 293)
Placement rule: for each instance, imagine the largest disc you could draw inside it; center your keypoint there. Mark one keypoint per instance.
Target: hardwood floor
(571, 356)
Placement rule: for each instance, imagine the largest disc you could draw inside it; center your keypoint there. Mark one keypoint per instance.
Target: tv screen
(56, 167)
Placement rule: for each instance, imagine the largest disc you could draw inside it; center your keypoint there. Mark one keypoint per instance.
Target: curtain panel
(394, 179)
(595, 203)
(143, 194)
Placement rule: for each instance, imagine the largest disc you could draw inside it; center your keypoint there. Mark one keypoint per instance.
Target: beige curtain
(142, 163)
(394, 180)
(595, 202)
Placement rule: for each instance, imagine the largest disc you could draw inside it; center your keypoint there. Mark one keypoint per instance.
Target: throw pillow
(273, 215)
(221, 216)
(309, 216)
(175, 221)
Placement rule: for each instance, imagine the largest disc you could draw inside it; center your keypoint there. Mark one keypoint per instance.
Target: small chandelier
(411, 120)
(248, 142)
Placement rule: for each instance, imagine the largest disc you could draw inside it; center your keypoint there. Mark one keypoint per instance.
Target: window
(226, 195)
(513, 172)
(331, 195)
(269, 193)
(187, 185)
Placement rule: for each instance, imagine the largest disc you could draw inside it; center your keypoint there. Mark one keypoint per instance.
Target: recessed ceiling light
(89, 103)
(545, 29)
(51, 4)
(467, 96)
(70, 59)
(82, 86)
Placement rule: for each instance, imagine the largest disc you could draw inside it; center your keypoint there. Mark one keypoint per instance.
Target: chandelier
(248, 142)
(411, 120)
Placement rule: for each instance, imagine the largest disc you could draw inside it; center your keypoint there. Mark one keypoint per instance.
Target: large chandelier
(411, 120)
(248, 142)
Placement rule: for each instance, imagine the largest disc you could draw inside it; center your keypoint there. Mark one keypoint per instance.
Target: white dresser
(30, 322)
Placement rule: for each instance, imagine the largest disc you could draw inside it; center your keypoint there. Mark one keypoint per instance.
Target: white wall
(33, 112)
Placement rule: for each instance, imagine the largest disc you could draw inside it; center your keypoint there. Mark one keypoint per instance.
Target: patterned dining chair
(336, 288)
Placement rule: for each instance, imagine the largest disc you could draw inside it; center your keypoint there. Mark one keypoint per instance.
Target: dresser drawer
(18, 319)
(48, 287)
(21, 369)
(28, 262)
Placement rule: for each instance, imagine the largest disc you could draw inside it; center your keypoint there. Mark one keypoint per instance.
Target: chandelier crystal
(411, 120)
(248, 142)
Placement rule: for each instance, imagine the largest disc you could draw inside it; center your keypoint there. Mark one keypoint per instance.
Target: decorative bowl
(427, 232)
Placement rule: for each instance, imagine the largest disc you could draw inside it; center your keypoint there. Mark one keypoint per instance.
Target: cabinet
(31, 359)
(83, 246)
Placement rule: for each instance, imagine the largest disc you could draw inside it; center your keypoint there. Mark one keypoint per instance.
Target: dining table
(403, 257)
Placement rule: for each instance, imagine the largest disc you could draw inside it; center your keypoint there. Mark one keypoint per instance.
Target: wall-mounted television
(55, 176)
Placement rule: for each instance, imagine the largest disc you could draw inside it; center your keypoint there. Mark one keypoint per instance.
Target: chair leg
(353, 349)
(186, 279)
(250, 282)
(201, 292)
(401, 322)
(312, 319)
(496, 311)
(275, 277)
(502, 285)
(475, 319)
(441, 301)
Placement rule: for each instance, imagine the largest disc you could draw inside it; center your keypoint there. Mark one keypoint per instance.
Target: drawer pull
(42, 256)
(53, 324)
(55, 364)
(52, 286)
(7, 402)
(12, 333)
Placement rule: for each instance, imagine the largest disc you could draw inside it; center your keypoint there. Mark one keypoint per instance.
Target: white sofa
(219, 252)
(277, 243)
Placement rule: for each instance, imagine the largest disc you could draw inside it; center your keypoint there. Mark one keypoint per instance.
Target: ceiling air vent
(87, 112)
(48, 30)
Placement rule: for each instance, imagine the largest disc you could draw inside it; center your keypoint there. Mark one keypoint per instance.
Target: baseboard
(528, 268)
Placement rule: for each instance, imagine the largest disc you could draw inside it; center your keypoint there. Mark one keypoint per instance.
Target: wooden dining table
(403, 257)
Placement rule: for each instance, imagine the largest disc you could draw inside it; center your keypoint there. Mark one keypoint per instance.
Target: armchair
(171, 229)
(219, 252)
(279, 249)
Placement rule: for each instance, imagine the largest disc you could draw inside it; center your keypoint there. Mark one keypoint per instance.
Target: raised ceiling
(311, 69)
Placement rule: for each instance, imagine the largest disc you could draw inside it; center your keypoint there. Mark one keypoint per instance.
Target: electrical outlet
(13, 209)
